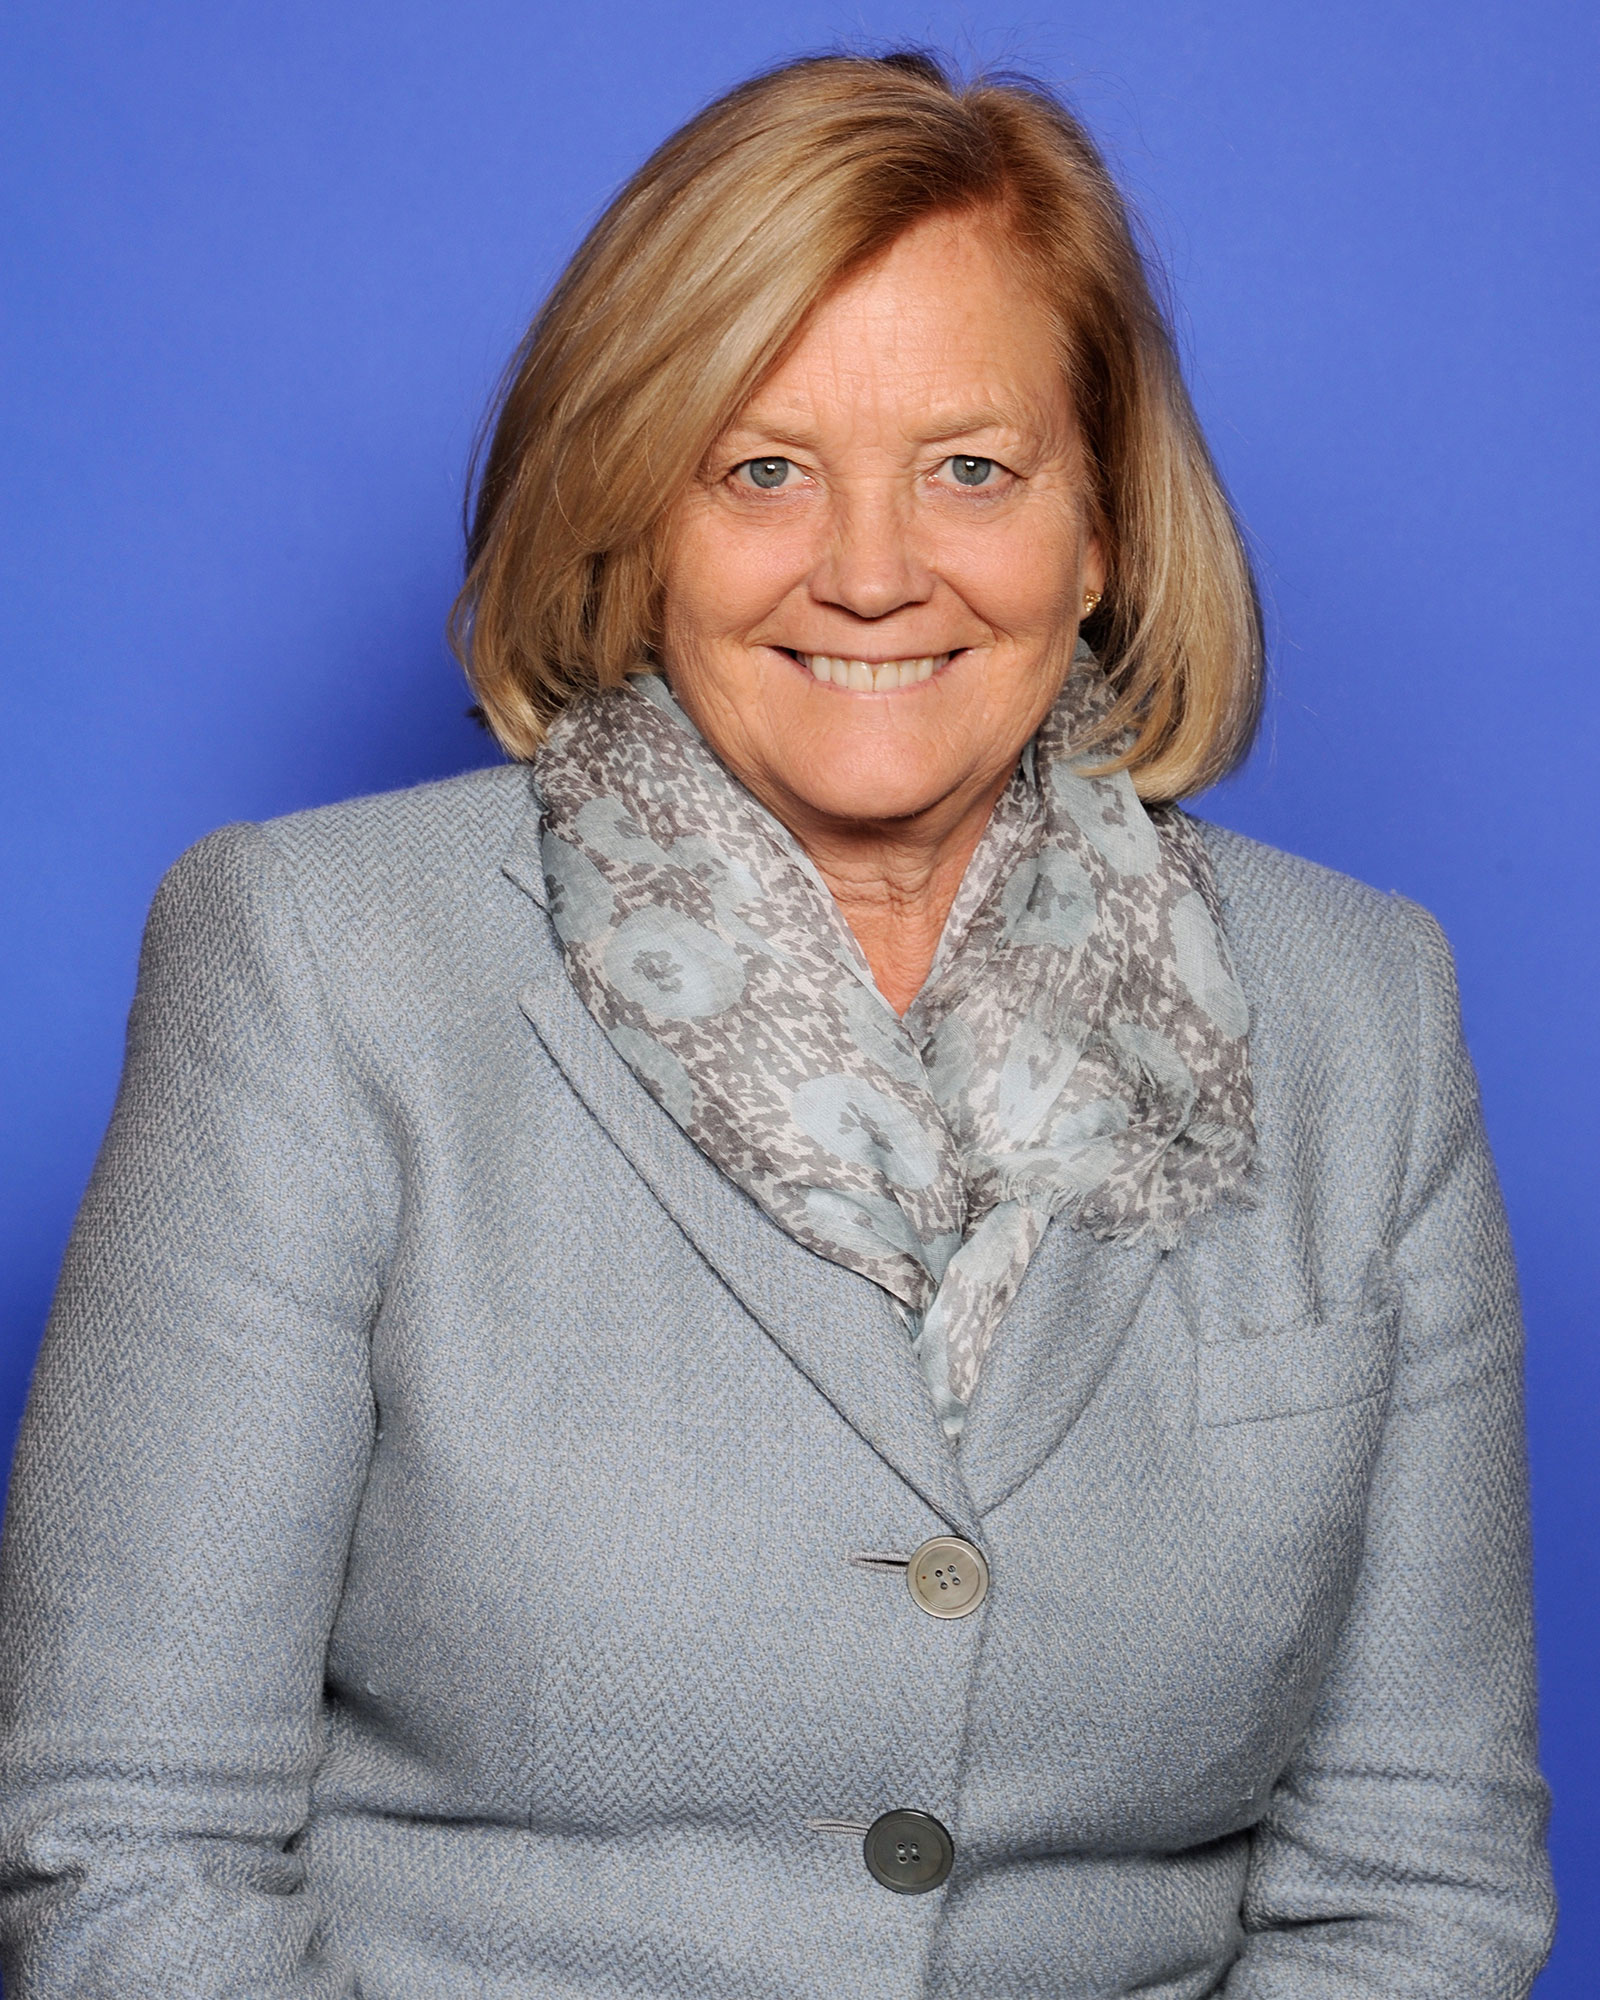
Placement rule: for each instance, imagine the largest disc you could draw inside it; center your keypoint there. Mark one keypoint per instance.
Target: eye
(766, 473)
(971, 471)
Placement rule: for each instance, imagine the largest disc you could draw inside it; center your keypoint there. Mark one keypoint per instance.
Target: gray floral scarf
(1079, 1046)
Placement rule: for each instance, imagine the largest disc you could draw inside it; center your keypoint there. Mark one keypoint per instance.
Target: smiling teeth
(867, 679)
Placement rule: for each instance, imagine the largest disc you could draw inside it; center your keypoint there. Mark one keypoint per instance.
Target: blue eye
(971, 471)
(767, 472)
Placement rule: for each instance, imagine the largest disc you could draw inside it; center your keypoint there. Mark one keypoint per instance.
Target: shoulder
(431, 841)
(1331, 949)
(1355, 1026)
(381, 894)
(457, 829)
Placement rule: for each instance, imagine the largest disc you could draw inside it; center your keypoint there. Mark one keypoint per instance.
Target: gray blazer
(429, 1564)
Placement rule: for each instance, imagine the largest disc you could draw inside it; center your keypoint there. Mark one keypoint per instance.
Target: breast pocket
(1291, 1370)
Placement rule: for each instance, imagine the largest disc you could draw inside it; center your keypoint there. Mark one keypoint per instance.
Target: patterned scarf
(1078, 1048)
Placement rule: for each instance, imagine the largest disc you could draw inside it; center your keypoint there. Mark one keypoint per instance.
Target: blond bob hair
(699, 277)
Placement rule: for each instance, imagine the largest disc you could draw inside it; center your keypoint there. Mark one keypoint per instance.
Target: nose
(869, 565)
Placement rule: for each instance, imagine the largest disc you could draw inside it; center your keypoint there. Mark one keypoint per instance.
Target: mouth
(871, 676)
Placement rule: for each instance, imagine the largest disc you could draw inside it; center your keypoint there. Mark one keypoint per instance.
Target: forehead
(941, 323)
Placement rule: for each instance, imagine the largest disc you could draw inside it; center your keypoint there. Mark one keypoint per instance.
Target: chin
(864, 787)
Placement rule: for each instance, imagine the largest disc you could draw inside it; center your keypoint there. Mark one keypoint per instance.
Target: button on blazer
(434, 1561)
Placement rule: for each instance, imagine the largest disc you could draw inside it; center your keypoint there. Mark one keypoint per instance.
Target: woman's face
(873, 590)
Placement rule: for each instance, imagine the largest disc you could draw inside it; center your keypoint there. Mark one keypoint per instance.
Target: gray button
(948, 1577)
(908, 1852)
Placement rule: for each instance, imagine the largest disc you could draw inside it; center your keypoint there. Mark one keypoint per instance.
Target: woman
(805, 1344)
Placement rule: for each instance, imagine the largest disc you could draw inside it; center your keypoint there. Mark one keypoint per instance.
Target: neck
(895, 884)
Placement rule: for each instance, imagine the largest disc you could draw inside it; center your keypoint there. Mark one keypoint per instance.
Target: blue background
(266, 260)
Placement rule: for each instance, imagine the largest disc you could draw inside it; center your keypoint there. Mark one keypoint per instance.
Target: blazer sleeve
(1403, 1849)
(191, 1457)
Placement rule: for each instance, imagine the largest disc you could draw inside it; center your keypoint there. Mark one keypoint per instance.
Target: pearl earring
(1090, 599)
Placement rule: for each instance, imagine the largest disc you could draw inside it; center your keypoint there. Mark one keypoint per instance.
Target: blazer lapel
(836, 1326)
(1075, 1305)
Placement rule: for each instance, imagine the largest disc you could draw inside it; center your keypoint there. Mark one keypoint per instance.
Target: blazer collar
(524, 864)
(1073, 1309)
(836, 1326)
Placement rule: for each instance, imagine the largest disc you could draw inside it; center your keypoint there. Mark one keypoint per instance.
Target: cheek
(722, 575)
(1021, 579)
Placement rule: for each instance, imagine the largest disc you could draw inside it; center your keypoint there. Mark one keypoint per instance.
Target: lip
(857, 673)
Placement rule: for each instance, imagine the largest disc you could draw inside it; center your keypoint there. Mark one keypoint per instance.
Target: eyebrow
(956, 423)
(944, 425)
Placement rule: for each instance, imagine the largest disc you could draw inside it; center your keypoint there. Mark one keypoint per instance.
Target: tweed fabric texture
(1078, 1048)
(427, 1571)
